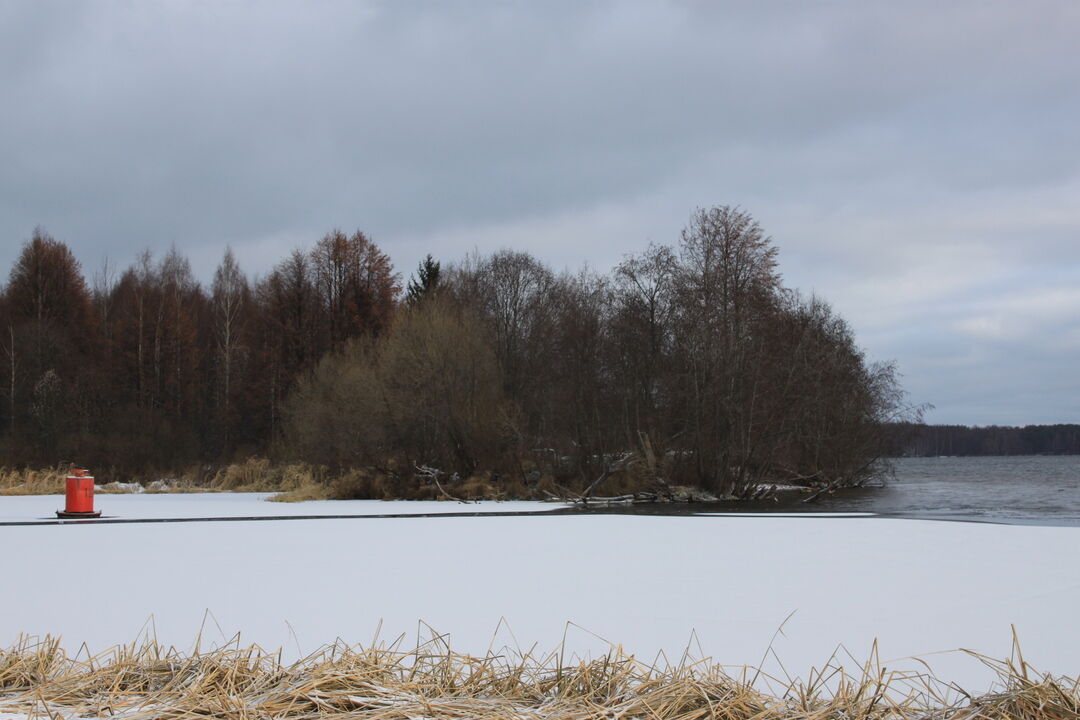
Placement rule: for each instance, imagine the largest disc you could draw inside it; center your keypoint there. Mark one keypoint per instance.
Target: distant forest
(938, 440)
(687, 364)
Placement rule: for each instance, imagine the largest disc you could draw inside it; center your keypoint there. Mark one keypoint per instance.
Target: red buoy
(80, 496)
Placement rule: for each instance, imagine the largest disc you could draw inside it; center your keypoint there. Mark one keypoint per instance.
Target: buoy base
(66, 514)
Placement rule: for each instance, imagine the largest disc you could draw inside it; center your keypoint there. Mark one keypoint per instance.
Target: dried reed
(260, 475)
(53, 482)
(32, 482)
(38, 678)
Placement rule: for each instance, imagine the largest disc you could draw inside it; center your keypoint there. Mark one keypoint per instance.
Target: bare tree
(289, 318)
(641, 337)
(229, 296)
(46, 290)
(512, 290)
(176, 349)
(102, 291)
(50, 316)
(14, 366)
(7, 343)
(581, 422)
(725, 280)
(356, 285)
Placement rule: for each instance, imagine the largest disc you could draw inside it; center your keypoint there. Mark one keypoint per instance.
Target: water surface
(1042, 490)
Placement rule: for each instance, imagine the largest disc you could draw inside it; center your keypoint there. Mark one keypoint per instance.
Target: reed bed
(53, 481)
(290, 482)
(32, 482)
(39, 679)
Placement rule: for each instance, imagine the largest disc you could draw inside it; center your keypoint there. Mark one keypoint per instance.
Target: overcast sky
(917, 163)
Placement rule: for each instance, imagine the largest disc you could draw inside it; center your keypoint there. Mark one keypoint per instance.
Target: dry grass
(38, 678)
(302, 494)
(252, 473)
(261, 475)
(308, 482)
(33, 482)
(292, 482)
(53, 482)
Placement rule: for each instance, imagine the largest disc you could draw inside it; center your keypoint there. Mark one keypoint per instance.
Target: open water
(1027, 489)
(1037, 490)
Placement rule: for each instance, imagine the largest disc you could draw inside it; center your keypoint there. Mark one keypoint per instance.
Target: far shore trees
(49, 320)
(688, 364)
(917, 440)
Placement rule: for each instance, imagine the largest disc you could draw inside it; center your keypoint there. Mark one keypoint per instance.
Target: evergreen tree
(424, 282)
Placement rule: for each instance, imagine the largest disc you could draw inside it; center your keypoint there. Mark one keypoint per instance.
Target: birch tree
(229, 298)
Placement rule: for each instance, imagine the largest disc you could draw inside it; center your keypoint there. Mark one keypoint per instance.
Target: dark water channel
(1042, 490)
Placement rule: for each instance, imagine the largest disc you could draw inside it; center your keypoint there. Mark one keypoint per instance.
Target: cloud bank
(917, 164)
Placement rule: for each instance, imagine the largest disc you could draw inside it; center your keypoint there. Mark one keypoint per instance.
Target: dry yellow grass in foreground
(39, 679)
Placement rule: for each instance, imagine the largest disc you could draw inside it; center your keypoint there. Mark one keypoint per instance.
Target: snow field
(721, 585)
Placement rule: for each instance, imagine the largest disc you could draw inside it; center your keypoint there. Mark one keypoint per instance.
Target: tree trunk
(11, 352)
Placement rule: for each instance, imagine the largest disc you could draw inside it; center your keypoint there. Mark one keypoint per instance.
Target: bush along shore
(39, 679)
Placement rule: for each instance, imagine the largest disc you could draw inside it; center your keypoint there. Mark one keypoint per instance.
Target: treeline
(960, 440)
(689, 364)
(147, 370)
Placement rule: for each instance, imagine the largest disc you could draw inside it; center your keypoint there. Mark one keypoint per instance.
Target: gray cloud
(917, 164)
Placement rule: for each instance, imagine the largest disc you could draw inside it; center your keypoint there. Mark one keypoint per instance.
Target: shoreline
(482, 508)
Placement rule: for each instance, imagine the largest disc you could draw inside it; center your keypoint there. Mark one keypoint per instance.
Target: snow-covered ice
(215, 505)
(645, 582)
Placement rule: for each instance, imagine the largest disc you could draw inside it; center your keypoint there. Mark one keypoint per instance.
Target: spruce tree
(424, 282)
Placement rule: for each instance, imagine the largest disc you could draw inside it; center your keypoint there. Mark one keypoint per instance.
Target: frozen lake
(722, 585)
(34, 508)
